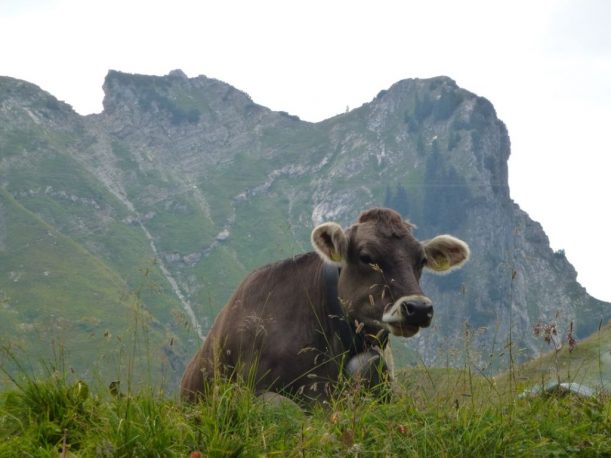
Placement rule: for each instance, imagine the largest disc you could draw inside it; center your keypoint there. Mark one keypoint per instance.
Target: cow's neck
(351, 340)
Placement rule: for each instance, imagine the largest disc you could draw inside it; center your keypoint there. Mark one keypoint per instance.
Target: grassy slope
(39, 416)
(434, 412)
(72, 269)
(589, 364)
(58, 297)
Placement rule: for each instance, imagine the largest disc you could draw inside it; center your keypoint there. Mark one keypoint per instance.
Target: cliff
(182, 185)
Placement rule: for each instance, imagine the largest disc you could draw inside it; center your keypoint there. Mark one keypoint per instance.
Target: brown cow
(285, 330)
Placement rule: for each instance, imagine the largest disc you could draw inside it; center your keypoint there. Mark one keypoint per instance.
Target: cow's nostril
(408, 308)
(418, 312)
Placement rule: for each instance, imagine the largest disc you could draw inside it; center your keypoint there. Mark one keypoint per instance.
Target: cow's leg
(192, 383)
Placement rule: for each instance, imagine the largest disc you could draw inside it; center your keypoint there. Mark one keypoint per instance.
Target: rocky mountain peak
(177, 97)
(23, 104)
(191, 172)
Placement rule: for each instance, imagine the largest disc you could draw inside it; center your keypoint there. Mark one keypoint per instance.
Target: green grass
(589, 363)
(43, 417)
(184, 226)
(55, 292)
(433, 412)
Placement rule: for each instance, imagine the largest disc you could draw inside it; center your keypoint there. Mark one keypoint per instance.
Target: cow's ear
(330, 242)
(445, 253)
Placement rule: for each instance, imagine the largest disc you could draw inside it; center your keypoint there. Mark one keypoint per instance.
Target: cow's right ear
(445, 253)
(330, 242)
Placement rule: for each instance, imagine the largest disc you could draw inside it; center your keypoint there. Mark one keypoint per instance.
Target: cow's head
(380, 265)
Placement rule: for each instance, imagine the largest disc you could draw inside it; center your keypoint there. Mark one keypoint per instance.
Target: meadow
(433, 412)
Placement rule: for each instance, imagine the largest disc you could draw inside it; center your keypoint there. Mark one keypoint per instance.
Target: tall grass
(453, 413)
(436, 412)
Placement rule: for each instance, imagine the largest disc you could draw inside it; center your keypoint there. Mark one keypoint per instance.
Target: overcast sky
(545, 65)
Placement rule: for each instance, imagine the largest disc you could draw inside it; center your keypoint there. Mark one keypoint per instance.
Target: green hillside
(54, 291)
(58, 297)
(164, 201)
(589, 363)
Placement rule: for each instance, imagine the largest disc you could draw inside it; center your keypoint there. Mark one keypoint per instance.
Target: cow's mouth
(402, 330)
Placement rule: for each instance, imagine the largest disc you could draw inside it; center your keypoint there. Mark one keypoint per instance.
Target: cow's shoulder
(293, 270)
(278, 284)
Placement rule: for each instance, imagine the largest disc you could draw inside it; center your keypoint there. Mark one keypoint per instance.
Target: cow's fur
(278, 330)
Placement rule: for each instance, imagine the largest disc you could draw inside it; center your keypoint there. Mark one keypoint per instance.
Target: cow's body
(289, 328)
(286, 347)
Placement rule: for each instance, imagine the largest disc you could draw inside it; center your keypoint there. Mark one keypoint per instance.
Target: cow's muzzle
(408, 314)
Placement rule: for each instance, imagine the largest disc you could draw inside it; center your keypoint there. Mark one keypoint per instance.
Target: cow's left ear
(330, 242)
(445, 253)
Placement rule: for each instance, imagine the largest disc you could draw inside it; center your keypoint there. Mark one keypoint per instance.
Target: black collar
(352, 341)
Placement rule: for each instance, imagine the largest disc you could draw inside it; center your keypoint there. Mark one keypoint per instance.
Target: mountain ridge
(193, 173)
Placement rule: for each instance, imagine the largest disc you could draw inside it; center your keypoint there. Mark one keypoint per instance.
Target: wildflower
(570, 337)
(549, 333)
(347, 437)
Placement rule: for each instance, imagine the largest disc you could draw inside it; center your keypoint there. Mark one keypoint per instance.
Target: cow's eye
(365, 259)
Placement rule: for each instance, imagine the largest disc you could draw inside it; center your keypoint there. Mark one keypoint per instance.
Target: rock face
(193, 173)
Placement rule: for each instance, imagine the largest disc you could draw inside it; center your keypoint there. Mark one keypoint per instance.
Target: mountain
(153, 210)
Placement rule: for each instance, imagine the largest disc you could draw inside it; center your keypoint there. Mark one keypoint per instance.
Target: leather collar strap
(353, 342)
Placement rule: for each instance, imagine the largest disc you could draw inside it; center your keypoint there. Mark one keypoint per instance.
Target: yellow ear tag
(335, 256)
(441, 263)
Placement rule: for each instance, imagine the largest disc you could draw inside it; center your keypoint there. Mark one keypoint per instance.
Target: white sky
(545, 65)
